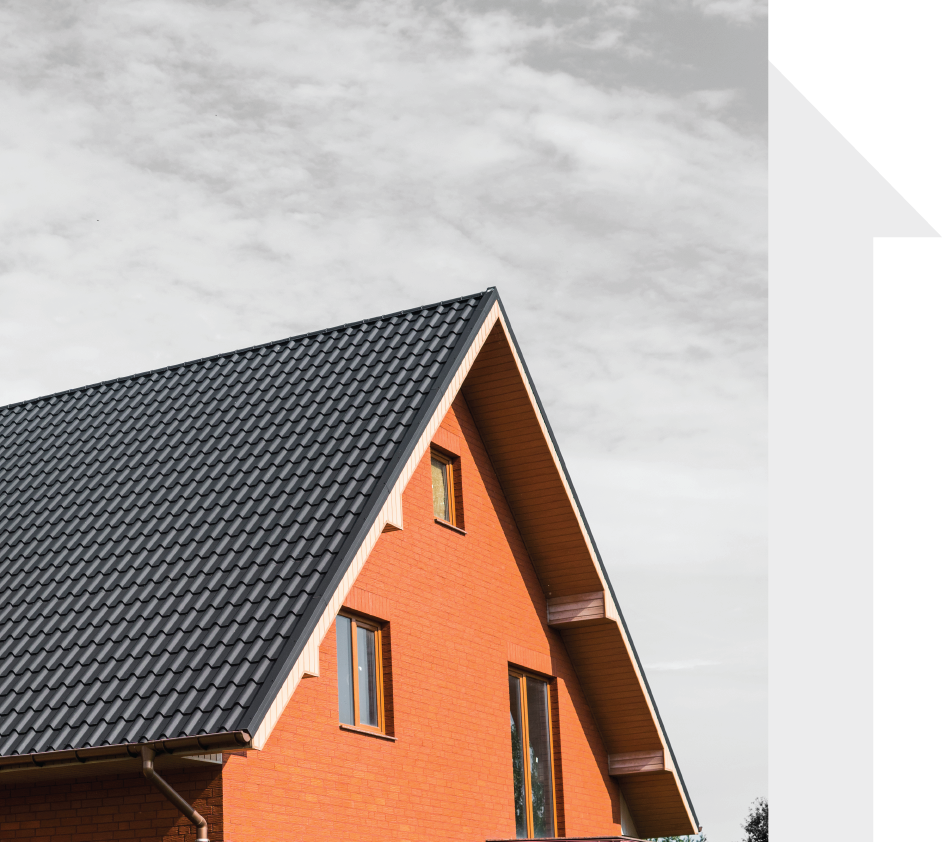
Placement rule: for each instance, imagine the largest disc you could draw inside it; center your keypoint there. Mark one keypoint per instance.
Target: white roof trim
(391, 514)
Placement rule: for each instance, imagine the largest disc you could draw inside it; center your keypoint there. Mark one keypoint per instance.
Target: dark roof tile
(167, 539)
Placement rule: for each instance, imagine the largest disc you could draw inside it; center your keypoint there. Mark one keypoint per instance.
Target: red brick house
(297, 591)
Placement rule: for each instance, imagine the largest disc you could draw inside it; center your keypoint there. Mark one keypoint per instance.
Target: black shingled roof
(169, 540)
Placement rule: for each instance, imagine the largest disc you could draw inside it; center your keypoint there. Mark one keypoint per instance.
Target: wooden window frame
(361, 622)
(449, 461)
(522, 676)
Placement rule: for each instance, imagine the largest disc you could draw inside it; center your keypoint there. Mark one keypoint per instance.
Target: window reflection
(541, 762)
(531, 740)
(345, 670)
(366, 667)
(441, 492)
(516, 747)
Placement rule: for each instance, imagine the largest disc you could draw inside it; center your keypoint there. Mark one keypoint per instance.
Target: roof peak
(257, 347)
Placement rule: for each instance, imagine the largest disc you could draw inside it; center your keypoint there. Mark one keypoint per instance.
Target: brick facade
(111, 807)
(459, 608)
(456, 604)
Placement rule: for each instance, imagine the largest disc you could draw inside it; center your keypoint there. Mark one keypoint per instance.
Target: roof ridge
(185, 363)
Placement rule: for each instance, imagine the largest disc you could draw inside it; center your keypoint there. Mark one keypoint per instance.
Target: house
(333, 587)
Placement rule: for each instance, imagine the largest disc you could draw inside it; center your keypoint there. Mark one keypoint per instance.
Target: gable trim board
(490, 314)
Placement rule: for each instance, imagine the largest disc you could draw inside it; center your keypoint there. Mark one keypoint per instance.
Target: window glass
(440, 489)
(541, 763)
(345, 669)
(360, 673)
(366, 667)
(531, 744)
(516, 746)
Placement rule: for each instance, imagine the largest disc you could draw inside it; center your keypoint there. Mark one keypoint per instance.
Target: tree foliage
(757, 822)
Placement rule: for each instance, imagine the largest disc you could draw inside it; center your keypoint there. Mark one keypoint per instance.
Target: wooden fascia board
(634, 762)
(569, 611)
(390, 515)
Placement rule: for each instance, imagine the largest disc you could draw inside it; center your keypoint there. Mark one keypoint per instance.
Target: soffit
(519, 444)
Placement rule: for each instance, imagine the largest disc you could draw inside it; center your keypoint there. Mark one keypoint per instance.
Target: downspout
(147, 756)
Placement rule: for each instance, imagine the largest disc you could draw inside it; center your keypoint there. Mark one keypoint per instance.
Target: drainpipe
(147, 756)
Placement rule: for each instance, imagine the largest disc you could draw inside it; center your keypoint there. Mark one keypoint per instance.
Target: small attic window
(443, 486)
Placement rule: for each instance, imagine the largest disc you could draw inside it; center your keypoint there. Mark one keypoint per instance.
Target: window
(360, 673)
(443, 487)
(531, 741)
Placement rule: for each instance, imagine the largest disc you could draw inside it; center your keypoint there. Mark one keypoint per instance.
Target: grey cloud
(183, 178)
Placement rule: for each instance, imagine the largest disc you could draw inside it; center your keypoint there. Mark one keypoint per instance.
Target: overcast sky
(184, 178)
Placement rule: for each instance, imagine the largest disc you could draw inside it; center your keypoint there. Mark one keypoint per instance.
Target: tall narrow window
(443, 486)
(359, 673)
(531, 741)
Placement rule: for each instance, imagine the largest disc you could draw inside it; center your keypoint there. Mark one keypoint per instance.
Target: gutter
(203, 744)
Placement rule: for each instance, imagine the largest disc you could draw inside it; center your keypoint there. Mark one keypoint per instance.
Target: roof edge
(206, 743)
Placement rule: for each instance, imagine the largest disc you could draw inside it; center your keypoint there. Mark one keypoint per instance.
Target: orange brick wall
(112, 807)
(456, 605)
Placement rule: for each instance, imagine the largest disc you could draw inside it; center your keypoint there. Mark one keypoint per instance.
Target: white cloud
(175, 157)
(738, 11)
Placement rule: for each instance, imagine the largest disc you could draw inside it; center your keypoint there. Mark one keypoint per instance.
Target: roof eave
(178, 746)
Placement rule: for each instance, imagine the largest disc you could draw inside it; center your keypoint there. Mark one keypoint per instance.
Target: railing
(579, 839)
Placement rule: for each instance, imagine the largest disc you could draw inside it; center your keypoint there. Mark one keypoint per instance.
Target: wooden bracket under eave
(579, 609)
(633, 762)
(310, 662)
(393, 512)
